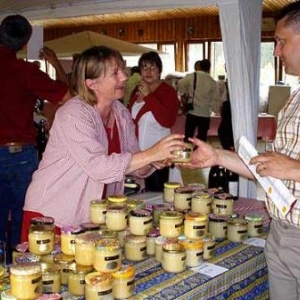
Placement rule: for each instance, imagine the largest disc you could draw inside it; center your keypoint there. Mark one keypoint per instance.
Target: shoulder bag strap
(194, 85)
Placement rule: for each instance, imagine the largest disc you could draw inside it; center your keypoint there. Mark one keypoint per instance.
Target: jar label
(199, 227)
(211, 247)
(36, 280)
(258, 226)
(143, 249)
(108, 258)
(199, 254)
(148, 222)
(221, 206)
(46, 282)
(40, 242)
(179, 225)
(183, 258)
(130, 283)
(105, 292)
(72, 242)
(82, 281)
(242, 231)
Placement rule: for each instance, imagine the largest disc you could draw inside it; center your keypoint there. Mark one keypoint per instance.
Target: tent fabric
(76, 43)
(241, 32)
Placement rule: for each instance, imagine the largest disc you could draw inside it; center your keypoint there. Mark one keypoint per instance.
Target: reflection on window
(194, 52)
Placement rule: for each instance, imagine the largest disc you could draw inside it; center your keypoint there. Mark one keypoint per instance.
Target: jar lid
(49, 268)
(105, 244)
(161, 206)
(134, 203)
(184, 190)
(137, 239)
(27, 257)
(51, 296)
(125, 272)
(173, 248)
(116, 209)
(252, 216)
(98, 279)
(26, 268)
(237, 222)
(109, 234)
(79, 269)
(223, 196)
(170, 214)
(22, 247)
(117, 198)
(192, 244)
(140, 213)
(202, 195)
(71, 230)
(195, 216)
(196, 186)
(87, 237)
(42, 221)
(154, 232)
(88, 226)
(214, 218)
(63, 258)
(99, 203)
(172, 185)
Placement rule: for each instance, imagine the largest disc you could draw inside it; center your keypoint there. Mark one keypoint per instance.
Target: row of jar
(31, 280)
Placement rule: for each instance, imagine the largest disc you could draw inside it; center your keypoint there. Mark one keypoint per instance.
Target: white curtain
(241, 34)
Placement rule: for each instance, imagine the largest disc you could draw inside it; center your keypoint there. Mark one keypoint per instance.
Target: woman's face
(150, 72)
(111, 85)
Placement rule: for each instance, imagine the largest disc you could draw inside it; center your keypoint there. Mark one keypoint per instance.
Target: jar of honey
(183, 198)
(195, 225)
(135, 247)
(98, 286)
(202, 202)
(76, 279)
(140, 222)
(98, 209)
(217, 226)
(41, 235)
(107, 255)
(116, 218)
(194, 252)
(67, 239)
(64, 262)
(183, 155)
(255, 224)
(50, 278)
(209, 243)
(222, 204)
(124, 282)
(171, 224)
(169, 191)
(173, 258)
(26, 280)
(237, 230)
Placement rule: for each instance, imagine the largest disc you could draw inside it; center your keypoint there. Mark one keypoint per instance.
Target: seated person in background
(92, 145)
(131, 83)
(153, 106)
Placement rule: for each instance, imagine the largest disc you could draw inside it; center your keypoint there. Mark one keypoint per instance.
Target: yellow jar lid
(99, 203)
(195, 216)
(25, 268)
(125, 272)
(170, 214)
(173, 247)
(192, 244)
(117, 198)
(202, 195)
(107, 244)
(136, 239)
(172, 185)
(63, 258)
(98, 279)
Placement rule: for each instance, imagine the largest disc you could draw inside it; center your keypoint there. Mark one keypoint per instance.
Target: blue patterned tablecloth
(245, 279)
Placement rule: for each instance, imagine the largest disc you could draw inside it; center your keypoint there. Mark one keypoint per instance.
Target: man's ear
(91, 83)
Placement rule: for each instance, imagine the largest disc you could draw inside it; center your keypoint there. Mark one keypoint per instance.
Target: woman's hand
(144, 88)
(277, 165)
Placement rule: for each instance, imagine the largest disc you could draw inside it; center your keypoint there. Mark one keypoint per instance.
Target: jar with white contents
(209, 243)
(116, 218)
(195, 225)
(26, 280)
(107, 255)
(51, 278)
(222, 204)
(124, 282)
(67, 239)
(173, 258)
(237, 230)
(135, 247)
(98, 209)
(140, 222)
(171, 224)
(255, 224)
(194, 252)
(183, 198)
(76, 279)
(64, 262)
(202, 202)
(98, 286)
(169, 191)
(217, 226)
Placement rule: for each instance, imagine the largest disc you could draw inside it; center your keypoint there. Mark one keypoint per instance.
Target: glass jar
(107, 255)
(171, 224)
(183, 198)
(116, 218)
(98, 286)
(201, 202)
(150, 242)
(27, 257)
(89, 226)
(194, 252)
(195, 225)
(41, 235)
(173, 258)
(140, 222)
(222, 204)
(84, 248)
(64, 262)
(217, 226)
(169, 191)
(50, 278)
(67, 239)
(159, 242)
(124, 282)
(237, 230)
(209, 243)
(19, 250)
(98, 209)
(255, 224)
(135, 247)
(26, 280)
(133, 204)
(119, 200)
(157, 210)
(183, 155)
(76, 279)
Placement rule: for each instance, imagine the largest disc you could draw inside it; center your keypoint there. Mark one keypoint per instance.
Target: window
(217, 60)
(195, 51)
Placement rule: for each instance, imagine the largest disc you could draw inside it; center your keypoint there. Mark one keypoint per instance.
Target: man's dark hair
(291, 13)
(15, 32)
(205, 65)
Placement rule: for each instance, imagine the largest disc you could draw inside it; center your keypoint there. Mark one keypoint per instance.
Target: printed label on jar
(36, 280)
(40, 242)
(199, 254)
(104, 293)
(82, 281)
(147, 222)
(108, 258)
(242, 231)
(48, 282)
(131, 283)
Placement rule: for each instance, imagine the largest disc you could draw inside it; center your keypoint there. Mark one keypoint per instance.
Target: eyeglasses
(148, 67)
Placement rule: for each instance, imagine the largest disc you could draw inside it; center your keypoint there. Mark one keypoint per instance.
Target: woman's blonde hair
(91, 64)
